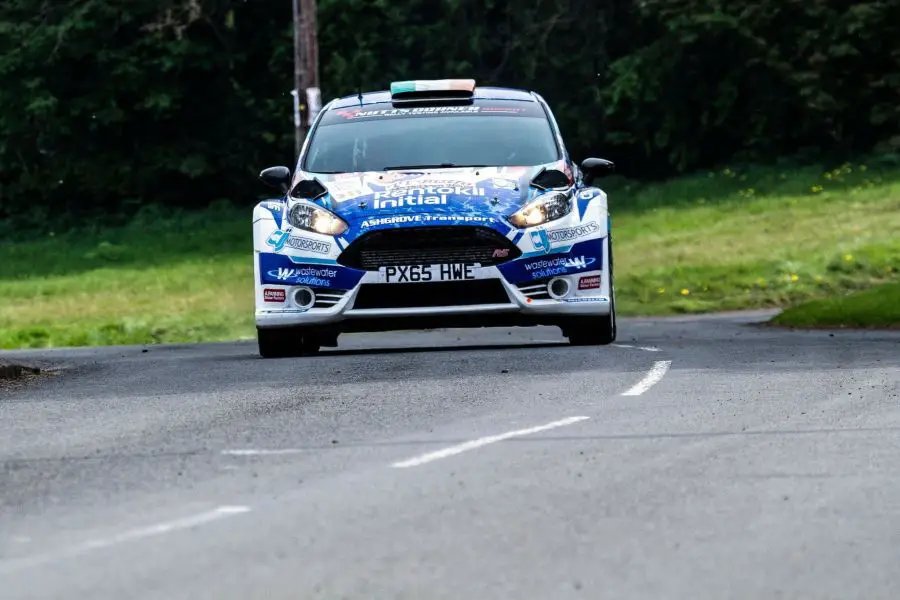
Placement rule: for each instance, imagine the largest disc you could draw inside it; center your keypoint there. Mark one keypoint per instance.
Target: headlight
(546, 208)
(310, 217)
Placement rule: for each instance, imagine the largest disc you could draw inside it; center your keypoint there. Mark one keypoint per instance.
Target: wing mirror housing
(277, 177)
(595, 168)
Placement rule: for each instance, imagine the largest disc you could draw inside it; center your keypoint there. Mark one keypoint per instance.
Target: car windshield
(374, 140)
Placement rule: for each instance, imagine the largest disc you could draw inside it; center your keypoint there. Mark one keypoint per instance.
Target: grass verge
(724, 240)
(878, 307)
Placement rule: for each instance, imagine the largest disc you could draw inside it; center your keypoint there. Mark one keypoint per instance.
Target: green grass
(724, 240)
(878, 307)
(757, 239)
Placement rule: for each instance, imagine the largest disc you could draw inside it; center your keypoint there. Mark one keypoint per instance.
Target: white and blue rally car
(435, 204)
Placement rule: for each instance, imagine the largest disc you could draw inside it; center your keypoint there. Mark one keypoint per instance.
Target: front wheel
(596, 331)
(592, 331)
(284, 342)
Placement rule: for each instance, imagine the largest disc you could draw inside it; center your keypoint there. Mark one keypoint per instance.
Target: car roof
(481, 93)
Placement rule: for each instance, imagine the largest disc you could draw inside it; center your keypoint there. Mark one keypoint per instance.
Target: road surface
(699, 458)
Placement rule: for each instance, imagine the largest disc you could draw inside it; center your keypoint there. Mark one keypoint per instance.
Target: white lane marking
(473, 444)
(251, 452)
(652, 378)
(127, 536)
(644, 348)
(185, 523)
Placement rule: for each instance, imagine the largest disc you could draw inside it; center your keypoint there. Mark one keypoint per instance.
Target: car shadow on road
(332, 352)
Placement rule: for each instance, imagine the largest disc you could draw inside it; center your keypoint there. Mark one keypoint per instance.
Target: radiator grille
(428, 245)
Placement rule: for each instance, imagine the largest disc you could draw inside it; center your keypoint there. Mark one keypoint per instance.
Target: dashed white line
(652, 378)
(644, 348)
(127, 536)
(473, 444)
(185, 523)
(276, 452)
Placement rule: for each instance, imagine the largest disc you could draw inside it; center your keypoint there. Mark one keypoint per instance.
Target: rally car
(434, 204)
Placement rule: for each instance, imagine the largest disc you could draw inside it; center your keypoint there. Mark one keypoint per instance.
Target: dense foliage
(109, 104)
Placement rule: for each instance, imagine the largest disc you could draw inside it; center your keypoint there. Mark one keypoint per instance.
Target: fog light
(558, 288)
(304, 297)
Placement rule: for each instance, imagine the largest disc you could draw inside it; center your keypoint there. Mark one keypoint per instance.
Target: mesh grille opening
(428, 245)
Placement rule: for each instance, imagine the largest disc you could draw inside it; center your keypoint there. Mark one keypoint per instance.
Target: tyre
(592, 331)
(596, 331)
(286, 342)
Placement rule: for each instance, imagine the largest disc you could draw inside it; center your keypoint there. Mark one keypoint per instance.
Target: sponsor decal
(580, 262)
(501, 252)
(357, 113)
(548, 267)
(400, 219)
(422, 181)
(504, 184)
(506, 110)
(598, 299)
(587, 194)
(573, 233)
(320, 277)
(419, 196)
(309, 245)
(586, 255)
(589, 283)
(396, 185)
(278, 239)
(273, 295)
(540, 241)
(278, 270)
(277, 211)
(346, 189)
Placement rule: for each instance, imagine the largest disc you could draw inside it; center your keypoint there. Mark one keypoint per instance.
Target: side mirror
(594, 168)
(277, 177)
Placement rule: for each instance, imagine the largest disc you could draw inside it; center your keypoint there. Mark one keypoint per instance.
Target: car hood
(365, 199)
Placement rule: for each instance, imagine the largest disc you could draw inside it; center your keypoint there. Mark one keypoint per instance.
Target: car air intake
(327, 297)
(536, 290)
(429, 295)
(428, 246)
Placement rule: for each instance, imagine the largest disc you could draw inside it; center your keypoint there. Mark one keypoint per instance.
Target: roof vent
(434, 91)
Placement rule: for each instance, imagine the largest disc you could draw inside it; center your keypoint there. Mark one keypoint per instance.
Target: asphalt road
(698, 458)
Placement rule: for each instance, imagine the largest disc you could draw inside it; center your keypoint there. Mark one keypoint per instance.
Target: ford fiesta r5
(434, 204)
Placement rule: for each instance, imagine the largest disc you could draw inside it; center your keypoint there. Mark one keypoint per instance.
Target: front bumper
(513, 293)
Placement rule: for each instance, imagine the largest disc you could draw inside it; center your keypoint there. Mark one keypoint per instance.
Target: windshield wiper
(438, 166)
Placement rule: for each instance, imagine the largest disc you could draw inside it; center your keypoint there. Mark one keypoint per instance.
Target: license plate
(426, 273)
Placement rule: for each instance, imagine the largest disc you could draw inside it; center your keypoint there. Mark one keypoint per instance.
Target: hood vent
(308, 189)
(548, 179)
